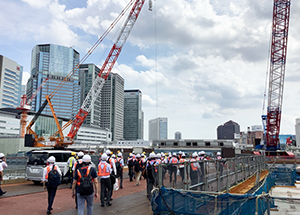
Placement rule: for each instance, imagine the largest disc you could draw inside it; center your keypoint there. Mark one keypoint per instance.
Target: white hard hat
(119, 154)
(152, 155)
(199, 153)
(183, 154)
(113, 156)
(1, 155)
(162, 154)
(51, 159)
(174, 153)
(180, 152)
(108, 152)
(143, 155)
(86, 159)
(218, 153)
(80, 154)
(195, 154)
(138, 155)
(104, 157)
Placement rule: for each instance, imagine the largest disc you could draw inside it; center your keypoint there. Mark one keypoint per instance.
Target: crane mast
(106, 68)
(280, 28)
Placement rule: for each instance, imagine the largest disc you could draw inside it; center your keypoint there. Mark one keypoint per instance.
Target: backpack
(118, 166)
(150, 170)
(54, 177)
(86, 184)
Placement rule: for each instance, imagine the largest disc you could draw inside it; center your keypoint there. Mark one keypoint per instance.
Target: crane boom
(280, 28)
(106, 68)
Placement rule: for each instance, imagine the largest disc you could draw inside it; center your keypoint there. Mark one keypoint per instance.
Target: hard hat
(119, 154)
(143, 155)
(162, 154)
(203, 152)
(144, 152)
(1, 155)
(130, 154)
(152, 155)
(138, 155)
(218, 153)
(174, 153)
(51, 159)
(158, 155)
(80, 154)
(199, 153)
(195, 154)
(108, 152)
(166, 154)
(104, 157)
(73, 153)
(180, 152)
(113, 156)
(86, 159)
(183, 154)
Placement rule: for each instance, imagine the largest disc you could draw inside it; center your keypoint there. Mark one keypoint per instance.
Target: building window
(195, 144)
(175, 143)
(221, 144)
(188, 143)
(162, 143)
(207, 143)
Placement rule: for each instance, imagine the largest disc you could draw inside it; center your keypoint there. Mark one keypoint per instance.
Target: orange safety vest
(119, 160)
(110, 161)
(48, 170)
(174, 160)
(194, 168)
(181, 161)
(79, 174)
(102, 171)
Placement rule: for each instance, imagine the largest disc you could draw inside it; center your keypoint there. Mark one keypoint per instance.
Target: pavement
(27, 198)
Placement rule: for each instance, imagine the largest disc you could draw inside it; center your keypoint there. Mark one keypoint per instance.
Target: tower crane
(58, 139)
(280, 29)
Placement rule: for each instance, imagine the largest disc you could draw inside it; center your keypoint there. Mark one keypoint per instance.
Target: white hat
(218, 153)
(174, 153)
(180, 152)
(108, 152)
(86, 159)
(119, 154)
(1, 155)
(113, 156)
(51, 159)
(80, 154)
(138, 155)
(195, 154)
(183, 154)
(104, 157)
(152, 155)
(162, 154)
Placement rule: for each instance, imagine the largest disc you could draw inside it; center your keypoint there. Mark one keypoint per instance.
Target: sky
(200, 63)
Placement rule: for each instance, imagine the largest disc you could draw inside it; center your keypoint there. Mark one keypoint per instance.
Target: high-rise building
(87, 75)
(10, 82)
(112, 106)
(178, 135)
(133, 115)
(228, 130)
(55, 62)
(158, 128)
(297, 128)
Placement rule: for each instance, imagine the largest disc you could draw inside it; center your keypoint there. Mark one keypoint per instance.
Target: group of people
(3, 165)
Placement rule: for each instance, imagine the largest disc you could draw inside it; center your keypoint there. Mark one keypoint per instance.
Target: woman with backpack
(51, 180)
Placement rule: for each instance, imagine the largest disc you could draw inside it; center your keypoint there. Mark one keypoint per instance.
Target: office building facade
(297, 129)
(112, 106)
(133, 115)
(87, 75)
(10, 83)
(158, 128)
(228, 130)
(178, 135)
(55, 62)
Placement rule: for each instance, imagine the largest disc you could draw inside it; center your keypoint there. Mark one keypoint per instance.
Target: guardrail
(211, 175)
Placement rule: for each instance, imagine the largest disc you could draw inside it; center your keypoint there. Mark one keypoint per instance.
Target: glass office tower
(55, 62)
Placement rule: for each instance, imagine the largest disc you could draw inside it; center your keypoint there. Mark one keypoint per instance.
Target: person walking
(138, 168)
(78, 164)
(87, 186)
(104, 170)
(71, 162)
(194, 170)
(150, 171)
(119, 167)
(181, 166)
(130, 167)
(112, 161)
(173, 168)
(51, 180)
(3, 165)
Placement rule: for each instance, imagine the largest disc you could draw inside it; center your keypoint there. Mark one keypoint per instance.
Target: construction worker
(78, 164)
(130, 167)
(181, 166)
(3, 160)
(120, 160)
(3, 165)
(104, 170)
(111, 160)
(173, 167)
(71, 162)
(138, 168)
(85, 194)
(221, 163)
(51, 189)
(150, 174)
(194, 170)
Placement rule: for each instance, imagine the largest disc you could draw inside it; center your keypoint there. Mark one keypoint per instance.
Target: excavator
(58, 140)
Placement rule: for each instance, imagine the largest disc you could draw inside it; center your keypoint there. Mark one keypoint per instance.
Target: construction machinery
(271, 121)
(58, 139)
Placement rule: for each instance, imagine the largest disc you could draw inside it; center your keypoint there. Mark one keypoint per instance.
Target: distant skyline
(200, 63)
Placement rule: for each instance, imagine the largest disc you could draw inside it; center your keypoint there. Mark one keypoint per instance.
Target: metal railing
(211, 175)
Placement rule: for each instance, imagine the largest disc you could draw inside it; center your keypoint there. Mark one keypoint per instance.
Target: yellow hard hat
(73, 153)
(144, 152)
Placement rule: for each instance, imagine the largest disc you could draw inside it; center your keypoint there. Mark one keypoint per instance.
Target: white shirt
(1, 167)
(45, 171)
(4, 164)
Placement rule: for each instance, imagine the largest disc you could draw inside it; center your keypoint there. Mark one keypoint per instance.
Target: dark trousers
(130, 172)
(1, 191)
(194, 178)
(150, 185)
(181, 170)
(105, 188)
(51, 195)
(120, 174)
(173, 171)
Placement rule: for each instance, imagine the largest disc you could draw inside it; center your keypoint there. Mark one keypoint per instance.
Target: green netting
(170, 201)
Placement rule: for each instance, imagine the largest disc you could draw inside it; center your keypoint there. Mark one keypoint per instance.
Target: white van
(37, 161)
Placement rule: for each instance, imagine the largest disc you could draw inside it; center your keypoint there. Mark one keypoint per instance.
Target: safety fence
(210, 175)
(171, 201)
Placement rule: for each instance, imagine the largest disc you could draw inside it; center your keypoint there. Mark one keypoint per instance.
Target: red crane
(280, 29)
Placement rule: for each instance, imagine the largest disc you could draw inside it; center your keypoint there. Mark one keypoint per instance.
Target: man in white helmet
(51, 172)
(150, 174)
(130, 167)
(194, 170)
(87, 186)
(3, 165)
(104, 170)
(138, 168)
(78, 164)
(120, 166)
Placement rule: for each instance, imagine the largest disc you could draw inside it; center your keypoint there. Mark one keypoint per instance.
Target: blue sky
(199, 63)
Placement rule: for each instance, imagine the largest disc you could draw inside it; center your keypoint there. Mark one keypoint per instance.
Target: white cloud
(25, 77)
